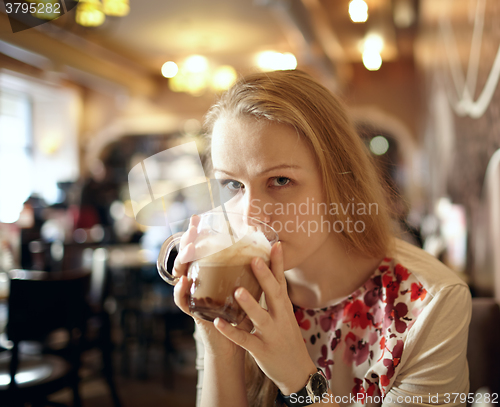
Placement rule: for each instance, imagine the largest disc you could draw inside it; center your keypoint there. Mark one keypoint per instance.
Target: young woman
(385, 322)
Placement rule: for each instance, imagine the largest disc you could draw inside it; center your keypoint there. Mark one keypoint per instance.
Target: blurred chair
(483, 349)
(39, 304)
(148, 318)
(98, 328)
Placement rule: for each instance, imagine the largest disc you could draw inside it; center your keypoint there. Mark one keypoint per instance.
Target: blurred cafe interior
(87, 96)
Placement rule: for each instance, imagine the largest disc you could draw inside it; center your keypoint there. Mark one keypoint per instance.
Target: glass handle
(162, 261)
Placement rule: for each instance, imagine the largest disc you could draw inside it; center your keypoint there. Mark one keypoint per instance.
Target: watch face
(318, 385)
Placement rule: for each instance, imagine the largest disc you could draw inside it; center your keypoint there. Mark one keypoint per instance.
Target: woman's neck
(329, 275)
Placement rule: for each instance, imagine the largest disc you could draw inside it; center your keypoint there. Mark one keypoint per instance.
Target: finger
(181, 294)
(186, 255)
(188, 237)
(194, 221)
(238, 336)
(277, 263)
(183, 259)
(246, 325)
(267, 281)
(273, 281)
(257, 315)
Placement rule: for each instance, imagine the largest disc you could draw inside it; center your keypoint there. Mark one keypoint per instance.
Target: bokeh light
(223, 77)
(196, 64)
(379, 145)
(372, 60)
(169, 69)
(276, 61)
(358, 11)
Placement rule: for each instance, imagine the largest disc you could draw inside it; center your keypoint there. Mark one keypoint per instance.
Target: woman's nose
(254, 208)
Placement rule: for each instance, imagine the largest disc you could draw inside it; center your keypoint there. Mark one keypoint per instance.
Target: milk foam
(254, 244)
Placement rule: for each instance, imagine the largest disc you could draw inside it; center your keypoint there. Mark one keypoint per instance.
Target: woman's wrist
(228, 358)
(296, 382)
(236, 353)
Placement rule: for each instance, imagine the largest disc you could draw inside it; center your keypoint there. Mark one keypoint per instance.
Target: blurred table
(130, 256)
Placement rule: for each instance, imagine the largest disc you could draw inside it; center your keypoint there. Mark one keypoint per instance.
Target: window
(15, 153)
(38, 141)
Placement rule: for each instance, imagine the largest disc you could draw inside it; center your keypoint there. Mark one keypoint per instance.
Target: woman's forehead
(249, 131)
(246, 141)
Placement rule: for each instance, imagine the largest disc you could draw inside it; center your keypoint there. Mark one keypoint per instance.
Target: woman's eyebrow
(276, 167)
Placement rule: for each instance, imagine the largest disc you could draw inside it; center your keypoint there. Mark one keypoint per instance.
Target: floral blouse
(361, 342)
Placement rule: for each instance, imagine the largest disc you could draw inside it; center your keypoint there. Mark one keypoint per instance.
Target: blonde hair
(348, 173)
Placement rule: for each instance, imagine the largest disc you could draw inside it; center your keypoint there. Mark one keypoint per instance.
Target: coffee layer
(213, 287)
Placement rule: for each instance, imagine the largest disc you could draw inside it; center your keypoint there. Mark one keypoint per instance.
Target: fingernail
(259, 263)
(280, 249)
(219, 322)
(242, 295)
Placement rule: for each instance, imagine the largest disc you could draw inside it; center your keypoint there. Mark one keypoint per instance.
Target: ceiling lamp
(193, 76)
(196, 75)
(196, 64)
(372, 60)
(371, 49)
(223, 78)
(89, 13)
(116, 8)
(276, 61)
(47, 9)
(358, 10)
(169, 69)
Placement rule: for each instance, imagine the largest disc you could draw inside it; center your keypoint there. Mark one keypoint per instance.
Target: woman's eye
(232, 185)
(280, 181)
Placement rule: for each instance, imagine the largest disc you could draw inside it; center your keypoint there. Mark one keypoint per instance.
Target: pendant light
(116, 8)
(89, 13)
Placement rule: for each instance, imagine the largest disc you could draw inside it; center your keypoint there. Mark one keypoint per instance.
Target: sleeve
(200, 357)
(434, 363)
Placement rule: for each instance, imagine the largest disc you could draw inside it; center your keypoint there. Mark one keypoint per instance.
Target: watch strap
(289, 400)
(302, 394)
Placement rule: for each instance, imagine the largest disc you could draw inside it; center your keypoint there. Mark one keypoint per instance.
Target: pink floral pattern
(366, 331)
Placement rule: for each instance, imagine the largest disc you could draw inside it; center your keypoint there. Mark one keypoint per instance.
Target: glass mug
(224, 247)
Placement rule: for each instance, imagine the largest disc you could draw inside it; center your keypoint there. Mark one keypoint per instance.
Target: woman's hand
(276, 344)
(215, 343)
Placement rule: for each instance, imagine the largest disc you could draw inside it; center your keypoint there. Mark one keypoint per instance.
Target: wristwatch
(311, 393)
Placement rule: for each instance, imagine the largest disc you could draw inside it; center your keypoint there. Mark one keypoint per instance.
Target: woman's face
(274, 176)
